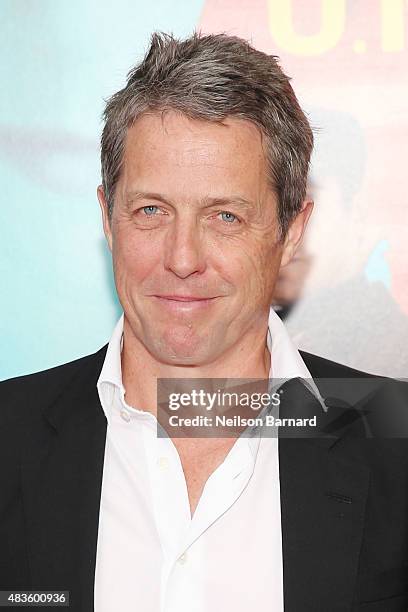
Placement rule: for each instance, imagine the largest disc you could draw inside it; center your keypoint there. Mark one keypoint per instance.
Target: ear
(105, 216)
(295, 232)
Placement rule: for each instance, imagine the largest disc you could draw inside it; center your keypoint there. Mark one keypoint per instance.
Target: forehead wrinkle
(203, 158)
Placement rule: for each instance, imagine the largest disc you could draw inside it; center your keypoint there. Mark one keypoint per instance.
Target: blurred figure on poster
(335, 294)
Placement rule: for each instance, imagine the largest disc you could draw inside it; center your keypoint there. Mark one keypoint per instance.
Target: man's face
(194, 237)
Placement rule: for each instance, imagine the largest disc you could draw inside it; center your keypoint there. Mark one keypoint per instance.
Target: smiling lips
(183, 298)
(184, 303)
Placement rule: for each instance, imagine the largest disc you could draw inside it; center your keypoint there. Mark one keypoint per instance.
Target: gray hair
(212, 77)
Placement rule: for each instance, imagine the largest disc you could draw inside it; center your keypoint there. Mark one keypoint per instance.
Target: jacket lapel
(322, 507)
(62, 489)
(323, 498)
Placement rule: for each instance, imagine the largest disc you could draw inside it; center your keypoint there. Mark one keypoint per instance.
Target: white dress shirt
(152, 556)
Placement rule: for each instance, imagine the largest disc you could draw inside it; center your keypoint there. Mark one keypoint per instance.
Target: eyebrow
(243, 203)
(134, 196)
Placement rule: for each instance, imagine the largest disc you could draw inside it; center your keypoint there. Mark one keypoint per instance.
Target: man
(205, 155)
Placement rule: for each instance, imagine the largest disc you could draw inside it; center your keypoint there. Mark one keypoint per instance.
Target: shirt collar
(286, 361)
(112, 368)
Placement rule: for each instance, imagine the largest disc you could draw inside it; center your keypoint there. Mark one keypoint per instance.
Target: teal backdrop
(59, 60)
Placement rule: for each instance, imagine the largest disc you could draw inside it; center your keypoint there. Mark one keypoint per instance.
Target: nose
(184, 250)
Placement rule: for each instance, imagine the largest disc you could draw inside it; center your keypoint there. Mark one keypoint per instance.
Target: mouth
(184, 298)
(184, 303)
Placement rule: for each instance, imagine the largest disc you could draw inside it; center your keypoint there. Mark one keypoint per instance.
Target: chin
(186, 350)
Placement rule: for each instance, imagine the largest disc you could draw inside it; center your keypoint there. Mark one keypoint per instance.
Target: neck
(249, 358)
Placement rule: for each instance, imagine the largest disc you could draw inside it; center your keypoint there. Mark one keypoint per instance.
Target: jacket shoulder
(322, 367)
(24, 396)
(355, 386)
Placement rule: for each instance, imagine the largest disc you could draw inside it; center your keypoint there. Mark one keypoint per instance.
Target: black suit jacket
(344, 498)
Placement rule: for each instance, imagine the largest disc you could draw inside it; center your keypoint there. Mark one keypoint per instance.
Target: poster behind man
(348, 290)
(346, 294)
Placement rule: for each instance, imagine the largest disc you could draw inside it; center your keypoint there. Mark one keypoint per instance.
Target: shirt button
(163, 463)
(182, 559)
(125, 415)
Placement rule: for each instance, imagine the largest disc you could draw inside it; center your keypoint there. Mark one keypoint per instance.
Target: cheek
(250, 268)
(134, 255)
(265, 270)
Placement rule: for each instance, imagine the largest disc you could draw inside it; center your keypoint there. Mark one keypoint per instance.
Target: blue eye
(150, 210)
(228, 217)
